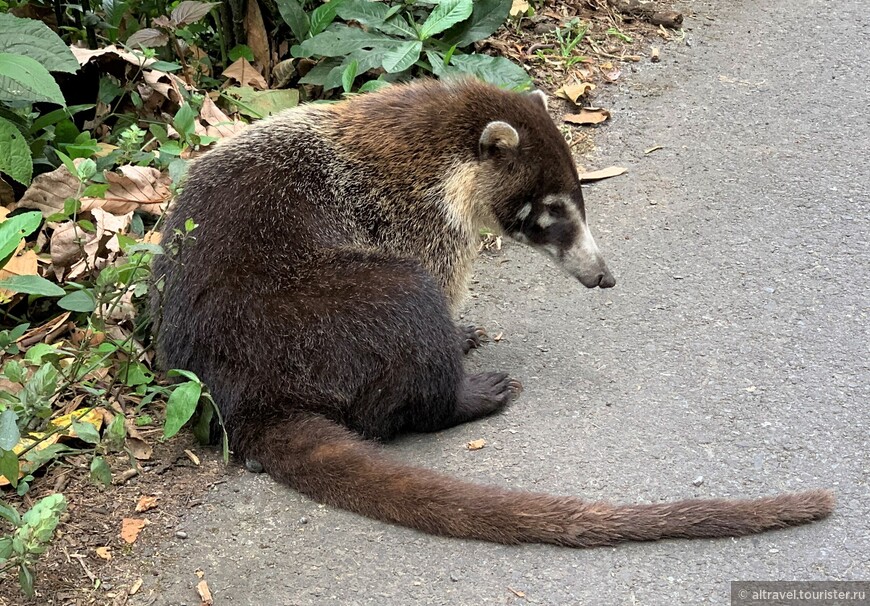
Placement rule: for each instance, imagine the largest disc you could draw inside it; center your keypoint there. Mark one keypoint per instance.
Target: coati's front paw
(489, 392)
(471, 337)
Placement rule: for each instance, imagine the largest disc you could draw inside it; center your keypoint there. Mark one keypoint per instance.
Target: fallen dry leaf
(48, 191)
(588, 115)
(84, 55)
(609, 71)
(256, 37)
(73, 250)
(145, 503)
(139, 448)
(204, 593)
(134, 588)
(137, 188)
(104, 552)
(476, 444)
(519, 7)
(219, 124)
(604, 173)
(23, 264)
(190, 455)
(245, 74)
(131, 527)
(573, 92)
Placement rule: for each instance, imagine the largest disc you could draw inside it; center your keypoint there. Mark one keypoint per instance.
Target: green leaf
(135, 373)
(116, 433)
(262, 103)
(402, 57)
(487, 17)
(15, 159)
(34, 39)
(44, 516)
(342, 40)
(13, 229)
(191, 11)
(14, 371)
(55, 116)
(164, 66)
(373, 85)
(100, 471)
(86, 432)
(202, 428)
(446, 14)
(10, 514)
(114, 12)
(9, 466)
(294, 16)
(32, 285)
(349, 75)
(323, 15)
(190, 376)
(35, 354)
(25, 79)
(181, 406)
(25, 579)
(495, 70)
(184, 120)
(5, 547)
(241, 50)
(376, 15)
(80, 300)
(9, 434)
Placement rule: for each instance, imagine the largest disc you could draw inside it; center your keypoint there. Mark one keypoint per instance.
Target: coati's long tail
(332, 465)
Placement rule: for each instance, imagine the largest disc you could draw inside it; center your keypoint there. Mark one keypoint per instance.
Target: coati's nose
(606, 279)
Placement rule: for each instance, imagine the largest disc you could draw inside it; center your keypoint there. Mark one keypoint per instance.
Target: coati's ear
(539, 96)
(497, 137)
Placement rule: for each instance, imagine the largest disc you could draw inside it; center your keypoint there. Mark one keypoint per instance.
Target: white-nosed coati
(315, 301)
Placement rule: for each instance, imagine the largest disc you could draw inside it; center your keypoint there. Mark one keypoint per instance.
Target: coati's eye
(557, 211)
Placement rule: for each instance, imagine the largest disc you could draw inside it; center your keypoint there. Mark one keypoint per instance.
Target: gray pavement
(734, 348)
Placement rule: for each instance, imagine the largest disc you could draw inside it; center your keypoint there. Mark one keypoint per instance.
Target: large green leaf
(15, 159)
(295, 16)
(15, 228)
(495, 70)
(34, 39)
(9, 434)
(341, 40)
(402, 57)
(445, 15)
(180, 407)
(25, 79)
(32, 285)
(79, 300)
(377, 15)
(323, 16)
(487, 17)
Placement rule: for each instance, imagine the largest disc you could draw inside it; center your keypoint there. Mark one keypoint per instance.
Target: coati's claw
(472, 336)
(489, 392)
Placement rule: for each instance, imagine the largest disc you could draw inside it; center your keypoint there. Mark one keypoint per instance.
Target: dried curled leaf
(476, 444)
(245, 74)
(587, 116)
(573, 92)
(131, 527)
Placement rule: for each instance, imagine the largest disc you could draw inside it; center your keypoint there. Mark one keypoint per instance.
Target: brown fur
(315, 301)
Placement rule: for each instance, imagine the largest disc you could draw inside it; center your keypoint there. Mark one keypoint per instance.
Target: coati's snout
(543, 203)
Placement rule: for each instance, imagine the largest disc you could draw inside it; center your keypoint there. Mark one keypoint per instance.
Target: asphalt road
(733, 349)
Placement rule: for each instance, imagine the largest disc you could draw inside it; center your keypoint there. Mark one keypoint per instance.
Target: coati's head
(539, 200)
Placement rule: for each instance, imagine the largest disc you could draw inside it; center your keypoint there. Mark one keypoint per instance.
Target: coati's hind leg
(484, 394)
(471, 336)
